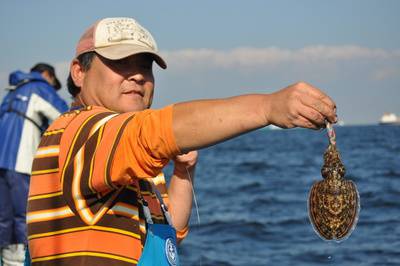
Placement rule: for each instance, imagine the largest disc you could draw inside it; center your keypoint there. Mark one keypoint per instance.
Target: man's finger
(318, 94)
(327, 111)
(301, 121)
(313, 116)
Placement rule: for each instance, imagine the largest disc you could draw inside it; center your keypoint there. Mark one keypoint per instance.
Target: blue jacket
(24, 114)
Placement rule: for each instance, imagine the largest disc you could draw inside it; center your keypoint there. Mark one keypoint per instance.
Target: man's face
(120, 85)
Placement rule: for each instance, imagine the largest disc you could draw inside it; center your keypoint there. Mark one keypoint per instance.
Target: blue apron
(160, 248)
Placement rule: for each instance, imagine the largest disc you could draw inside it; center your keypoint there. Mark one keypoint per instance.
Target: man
(24, 114)
(94, 196)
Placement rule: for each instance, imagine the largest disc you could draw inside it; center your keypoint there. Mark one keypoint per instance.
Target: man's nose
(137, 77)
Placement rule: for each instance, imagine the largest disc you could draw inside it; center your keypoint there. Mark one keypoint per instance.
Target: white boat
(389, 119)
(273, 127)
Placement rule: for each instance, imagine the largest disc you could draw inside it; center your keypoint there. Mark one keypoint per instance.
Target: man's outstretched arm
(198, 124)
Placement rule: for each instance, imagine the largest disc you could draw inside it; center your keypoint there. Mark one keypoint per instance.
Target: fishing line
(194, 196)
(197, 207)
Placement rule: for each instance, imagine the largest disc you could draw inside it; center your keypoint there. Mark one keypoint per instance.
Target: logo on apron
(171, 251)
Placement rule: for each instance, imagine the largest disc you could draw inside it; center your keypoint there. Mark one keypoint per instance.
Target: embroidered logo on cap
(171, 252)
(127, 30)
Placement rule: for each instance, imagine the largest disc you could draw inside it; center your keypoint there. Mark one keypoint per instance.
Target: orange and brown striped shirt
(83, 206)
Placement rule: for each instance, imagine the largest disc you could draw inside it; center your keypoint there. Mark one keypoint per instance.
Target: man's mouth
(133, 92)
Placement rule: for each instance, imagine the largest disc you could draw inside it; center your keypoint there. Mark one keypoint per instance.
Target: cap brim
(120, 51)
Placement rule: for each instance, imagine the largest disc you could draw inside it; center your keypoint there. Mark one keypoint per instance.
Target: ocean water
(252, 193)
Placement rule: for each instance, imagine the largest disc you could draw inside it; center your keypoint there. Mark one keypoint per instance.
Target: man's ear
(77, 73)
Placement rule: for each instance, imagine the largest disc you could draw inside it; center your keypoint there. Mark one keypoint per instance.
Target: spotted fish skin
(333, 202)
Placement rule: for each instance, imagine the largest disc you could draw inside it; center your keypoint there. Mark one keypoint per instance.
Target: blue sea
(252, 194)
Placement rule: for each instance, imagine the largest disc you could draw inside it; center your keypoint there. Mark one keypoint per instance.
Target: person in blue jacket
(31, 103)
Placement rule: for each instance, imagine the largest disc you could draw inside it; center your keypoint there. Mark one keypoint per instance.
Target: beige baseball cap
(117, 38)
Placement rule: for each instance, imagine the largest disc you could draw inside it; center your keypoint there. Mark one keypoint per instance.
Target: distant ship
(389, 119)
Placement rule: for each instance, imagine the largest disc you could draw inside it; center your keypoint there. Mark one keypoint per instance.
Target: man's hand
(300, 105)
(185, 162)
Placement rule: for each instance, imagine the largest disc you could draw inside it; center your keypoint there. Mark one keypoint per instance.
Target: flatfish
(334, 202)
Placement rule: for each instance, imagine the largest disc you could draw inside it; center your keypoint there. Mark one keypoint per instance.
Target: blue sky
(349, 49)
